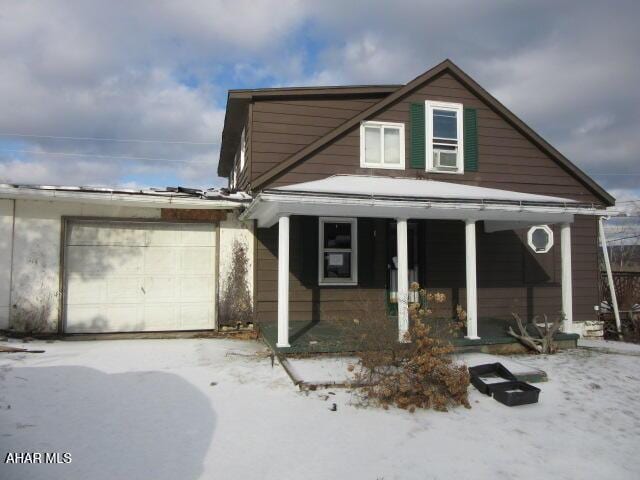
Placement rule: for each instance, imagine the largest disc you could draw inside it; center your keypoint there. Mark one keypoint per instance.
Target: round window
(540, 238)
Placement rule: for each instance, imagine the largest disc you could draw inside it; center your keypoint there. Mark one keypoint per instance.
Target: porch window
(338, 253)
(444, 137)
(382, 145)
(540, 238)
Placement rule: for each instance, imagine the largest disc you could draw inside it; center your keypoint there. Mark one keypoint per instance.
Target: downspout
(607, 265)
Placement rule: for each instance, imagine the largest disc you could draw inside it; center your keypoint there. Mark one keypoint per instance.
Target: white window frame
(353, 250)
(243, 148)
(382, 125)
(530, 238)
(430, 106)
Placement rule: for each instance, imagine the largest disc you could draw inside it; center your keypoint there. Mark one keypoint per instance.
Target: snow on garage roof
(413, 188)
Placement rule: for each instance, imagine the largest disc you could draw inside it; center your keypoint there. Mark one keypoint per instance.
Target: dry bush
(235, 299)
(418, 372)
(543, 343)
(32, 315)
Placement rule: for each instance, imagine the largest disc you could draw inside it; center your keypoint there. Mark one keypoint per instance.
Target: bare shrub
(32, 315)
(544, 342)
(235, 299)
(418, 372)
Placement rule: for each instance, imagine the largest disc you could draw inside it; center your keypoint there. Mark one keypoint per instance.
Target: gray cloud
(570, 69)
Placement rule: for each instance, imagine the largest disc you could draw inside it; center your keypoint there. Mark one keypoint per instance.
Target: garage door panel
(99, 260)
(196, 288)
(198, 235)
(195, 316)
(164, 235)
(196, 260)
(116, 234)
(86, 289)
(161, 289)
(161, 260)
(124, 289)
(130, 276)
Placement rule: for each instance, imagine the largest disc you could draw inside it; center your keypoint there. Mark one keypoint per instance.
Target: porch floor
(325, 337)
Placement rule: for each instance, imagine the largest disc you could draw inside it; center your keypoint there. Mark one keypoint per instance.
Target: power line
(623, 238)
(97, 155)
(103, 139)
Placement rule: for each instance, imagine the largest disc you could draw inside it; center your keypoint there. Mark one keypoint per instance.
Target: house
(358, 191)
(98, 260)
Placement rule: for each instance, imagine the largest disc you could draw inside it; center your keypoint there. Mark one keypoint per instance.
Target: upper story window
(338, 252)
(445, 151)
(382, 145)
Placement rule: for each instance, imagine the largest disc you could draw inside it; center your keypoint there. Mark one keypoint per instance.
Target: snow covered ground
(210, 408)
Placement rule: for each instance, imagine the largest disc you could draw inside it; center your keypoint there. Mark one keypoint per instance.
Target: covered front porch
(310, 337)
(341, 225)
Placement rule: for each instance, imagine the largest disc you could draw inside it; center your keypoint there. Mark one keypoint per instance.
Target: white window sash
(353, 280)
(430, 106)
(382, 126)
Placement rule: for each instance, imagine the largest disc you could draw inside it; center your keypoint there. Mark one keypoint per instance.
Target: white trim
(454, 107)
(353, 280)
(382, 125)
(266, 206)
(472, 290)
(607, 266)
(403, 278)
(566, 284)
(243, 148)
(530, 238)
(283, 282)
(118, 199)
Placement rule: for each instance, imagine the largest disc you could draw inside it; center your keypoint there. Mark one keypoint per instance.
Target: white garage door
(139, 276)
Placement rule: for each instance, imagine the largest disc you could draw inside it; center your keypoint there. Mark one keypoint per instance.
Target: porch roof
(388, 197)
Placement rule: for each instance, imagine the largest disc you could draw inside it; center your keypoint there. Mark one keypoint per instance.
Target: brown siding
(511, 278)
(282, 127)
(507, 159)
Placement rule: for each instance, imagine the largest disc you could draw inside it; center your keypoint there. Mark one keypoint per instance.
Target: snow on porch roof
(361, 185)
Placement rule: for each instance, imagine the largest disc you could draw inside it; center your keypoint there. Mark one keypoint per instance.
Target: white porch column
(472, 290)
(283, 281)
(403, 278)
(567, 288)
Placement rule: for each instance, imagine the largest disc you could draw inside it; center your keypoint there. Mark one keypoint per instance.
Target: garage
(139, 276)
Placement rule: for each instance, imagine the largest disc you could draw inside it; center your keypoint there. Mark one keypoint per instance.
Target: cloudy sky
(133, 93)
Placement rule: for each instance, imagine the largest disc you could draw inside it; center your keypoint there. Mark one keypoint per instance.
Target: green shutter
(418, 140)
(470, 140)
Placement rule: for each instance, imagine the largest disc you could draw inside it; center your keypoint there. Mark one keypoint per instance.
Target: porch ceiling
(385, 197)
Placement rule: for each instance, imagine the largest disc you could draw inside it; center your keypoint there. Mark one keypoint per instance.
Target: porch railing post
(403, 278)
(567, 288)
(283, 281)
(472, 290)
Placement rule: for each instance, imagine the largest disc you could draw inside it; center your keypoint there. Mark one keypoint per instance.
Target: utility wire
(102, 139)
(623, 238)
(96, 155)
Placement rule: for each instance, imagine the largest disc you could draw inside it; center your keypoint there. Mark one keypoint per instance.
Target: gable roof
(238, 101)
(417, 82)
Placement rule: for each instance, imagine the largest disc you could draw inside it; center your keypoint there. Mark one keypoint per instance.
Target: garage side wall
(6, 247)
(232, 230)
(35, 285)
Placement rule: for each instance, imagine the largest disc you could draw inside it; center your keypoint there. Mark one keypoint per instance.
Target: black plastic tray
(514, 393)
(495, 369)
